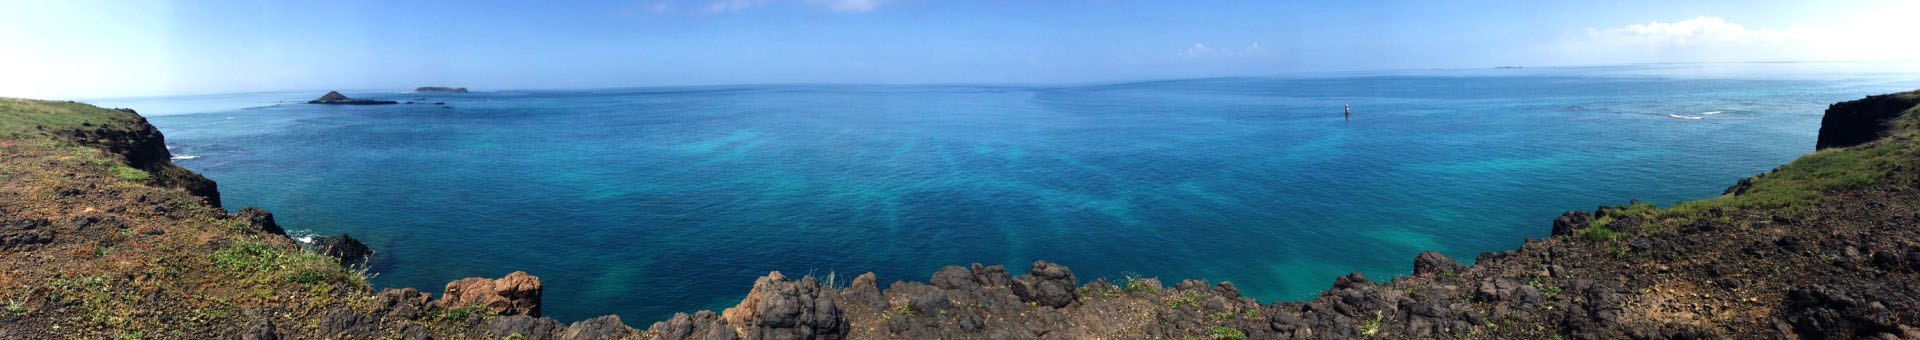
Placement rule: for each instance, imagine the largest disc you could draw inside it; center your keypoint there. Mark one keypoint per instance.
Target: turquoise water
(648, 201)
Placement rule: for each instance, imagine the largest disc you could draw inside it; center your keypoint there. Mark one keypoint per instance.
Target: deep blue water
(648, 201)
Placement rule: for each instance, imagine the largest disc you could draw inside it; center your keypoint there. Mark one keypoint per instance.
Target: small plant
(1371, 327)
(515, 336)
(1135, 284)
(15, 309)
(460, 314)
(1227, 333)
(1221, 315)
(1600, 232)
(1185, 299)
(1251, 313)
(900, 309)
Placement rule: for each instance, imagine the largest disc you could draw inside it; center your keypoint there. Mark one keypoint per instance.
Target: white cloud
(721, 6)
(1201, 50)
(1868, 36)
(1690, 32)
(849, 5)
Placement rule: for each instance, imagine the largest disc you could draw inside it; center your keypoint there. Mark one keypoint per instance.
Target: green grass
(1804, 182)
(1187, 298)
(128, 173)
(27, 118)
(460, 314)
(1226, 333)
(1136, 284)
(264, 263)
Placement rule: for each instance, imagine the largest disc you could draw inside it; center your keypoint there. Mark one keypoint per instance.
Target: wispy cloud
(849, 5)
(1201, 50)
(726, 6)
(1713, 38)
(1697, 31)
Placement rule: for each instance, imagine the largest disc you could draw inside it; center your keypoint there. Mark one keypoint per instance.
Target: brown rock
(515, 294)
(779, 308)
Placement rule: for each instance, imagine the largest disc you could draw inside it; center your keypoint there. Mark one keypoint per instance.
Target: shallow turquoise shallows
(647, 201)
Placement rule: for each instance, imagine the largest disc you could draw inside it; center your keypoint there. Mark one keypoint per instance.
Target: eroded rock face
(703, 325)
(1048, 284)
(1435, 263)
(346, 323)
(346, 248)
(1829, 312)
(605, 327)
(262, 220)
(779, 308)
(526, 327)
(515, 294)
(1570, 222)
(22, 233)
(144, 148)
(403, 303)
(865, 290)
(1860, 121)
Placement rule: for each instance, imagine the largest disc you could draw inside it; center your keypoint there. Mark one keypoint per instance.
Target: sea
(648, 201)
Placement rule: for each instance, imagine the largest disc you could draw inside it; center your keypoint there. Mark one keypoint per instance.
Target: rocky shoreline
(1825, 247)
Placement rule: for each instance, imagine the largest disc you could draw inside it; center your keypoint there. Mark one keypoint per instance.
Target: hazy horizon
(97, 49)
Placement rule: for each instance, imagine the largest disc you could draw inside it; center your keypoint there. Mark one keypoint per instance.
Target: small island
(334, 97)
(441, 89)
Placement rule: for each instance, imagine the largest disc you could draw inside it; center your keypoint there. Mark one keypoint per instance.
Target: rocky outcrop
(1570, 222)
(1860, 121)
(144, 148)
(262, 220)
(21, 233)
(1435, 263)
(1047, 284)
(343, 247)
(402, 303)
(515, 294)
(440, 89)
(334, 97)
(702, 325)
(779, 308)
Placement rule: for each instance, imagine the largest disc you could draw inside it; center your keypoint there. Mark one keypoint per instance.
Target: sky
(73, 49)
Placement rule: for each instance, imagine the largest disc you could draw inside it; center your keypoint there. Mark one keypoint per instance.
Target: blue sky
(85, 49)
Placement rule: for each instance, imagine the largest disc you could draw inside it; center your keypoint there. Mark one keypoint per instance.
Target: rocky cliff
(1859, 121)
(1825, 247)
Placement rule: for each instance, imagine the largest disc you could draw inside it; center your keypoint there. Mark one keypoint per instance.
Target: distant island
(441, 89)
(335, 98)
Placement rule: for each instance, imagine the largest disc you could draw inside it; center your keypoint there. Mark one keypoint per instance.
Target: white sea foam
(180, 157)
(1685, 117)
(1711, 112)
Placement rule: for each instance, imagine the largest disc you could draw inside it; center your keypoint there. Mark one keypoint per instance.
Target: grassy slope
(129, 260)
(1805, 181)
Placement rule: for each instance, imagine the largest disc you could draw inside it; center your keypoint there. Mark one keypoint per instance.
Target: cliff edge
(98, 246)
